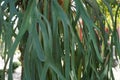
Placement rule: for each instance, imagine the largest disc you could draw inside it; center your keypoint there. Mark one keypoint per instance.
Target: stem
(4, 70)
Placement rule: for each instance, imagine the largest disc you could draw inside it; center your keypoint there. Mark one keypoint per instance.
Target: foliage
(47, 34)
(15, 65)
(1, 74)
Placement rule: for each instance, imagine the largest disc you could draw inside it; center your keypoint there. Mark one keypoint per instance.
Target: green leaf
(90, 26)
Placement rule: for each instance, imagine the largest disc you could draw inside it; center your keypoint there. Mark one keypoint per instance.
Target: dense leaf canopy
(60, 39)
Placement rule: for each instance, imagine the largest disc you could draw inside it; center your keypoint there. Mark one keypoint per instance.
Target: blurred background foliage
(60, 39)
